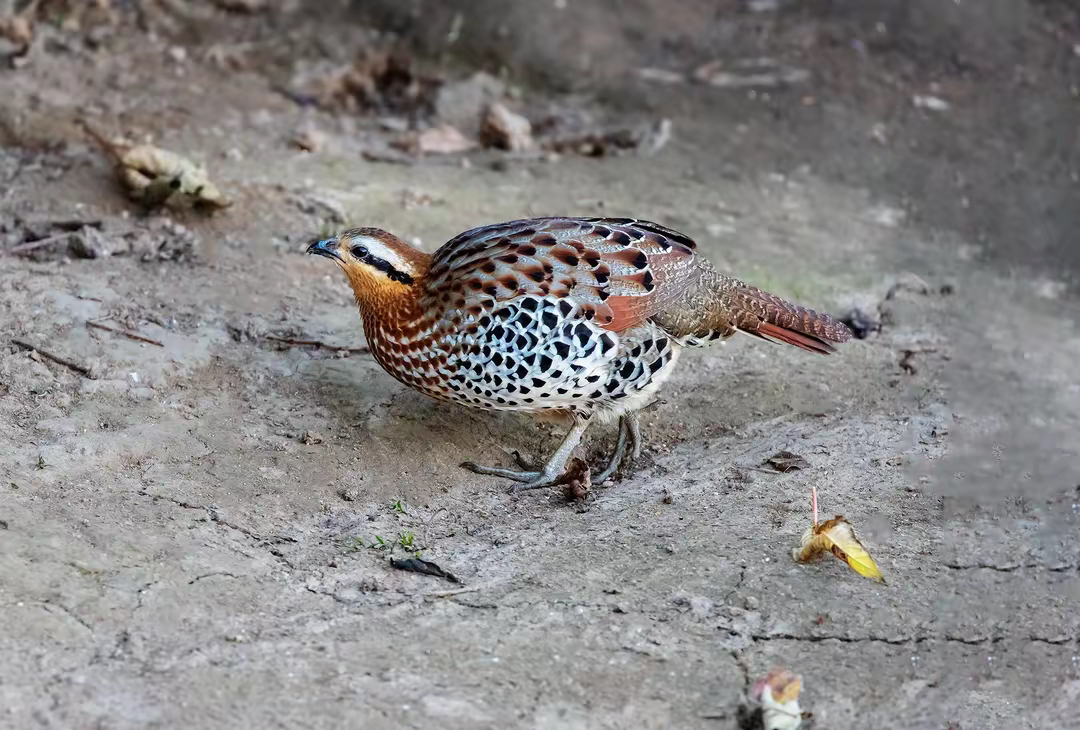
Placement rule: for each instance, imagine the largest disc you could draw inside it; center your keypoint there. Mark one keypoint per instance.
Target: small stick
(111, 148)
(125, 333)
(455, 592)
(31, 245)
(813, 503)
(316, 343)
(82, 369)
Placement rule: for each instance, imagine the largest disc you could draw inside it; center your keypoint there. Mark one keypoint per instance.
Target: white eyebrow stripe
(380, 250)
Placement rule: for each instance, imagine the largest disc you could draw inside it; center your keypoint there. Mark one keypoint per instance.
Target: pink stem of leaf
(813, 503)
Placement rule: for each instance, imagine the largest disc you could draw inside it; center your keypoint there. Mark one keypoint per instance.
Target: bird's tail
(766, 315)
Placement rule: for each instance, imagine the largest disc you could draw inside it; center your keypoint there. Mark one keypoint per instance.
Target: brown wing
(619, 270)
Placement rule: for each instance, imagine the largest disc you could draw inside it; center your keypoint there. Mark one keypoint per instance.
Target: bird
(582, 317)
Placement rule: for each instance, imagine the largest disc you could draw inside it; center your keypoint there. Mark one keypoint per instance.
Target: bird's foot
(526, 479)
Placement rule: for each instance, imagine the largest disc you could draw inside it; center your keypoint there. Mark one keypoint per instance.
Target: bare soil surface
(196, 527)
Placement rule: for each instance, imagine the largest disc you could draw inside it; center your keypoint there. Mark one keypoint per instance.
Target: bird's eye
(359, 252)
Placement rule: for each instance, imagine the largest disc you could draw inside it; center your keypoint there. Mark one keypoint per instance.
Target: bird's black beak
(327, 248)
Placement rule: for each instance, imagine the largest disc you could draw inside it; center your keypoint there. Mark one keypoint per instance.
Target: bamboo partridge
(584, 316)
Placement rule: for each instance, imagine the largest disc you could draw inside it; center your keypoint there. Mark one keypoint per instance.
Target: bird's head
(380, 266)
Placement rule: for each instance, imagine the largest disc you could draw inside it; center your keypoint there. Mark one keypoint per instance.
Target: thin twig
(455, 592)
(813, 503)
(40, 243)
(82, 369)
(315, 343)
(125, 333)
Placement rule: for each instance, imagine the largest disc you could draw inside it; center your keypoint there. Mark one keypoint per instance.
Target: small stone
(700, 607)
(861, 323)
(309, 139)
(88, 243)
(462, 103)
(751, 603)
(310, 438)
(443, 140)
(908, 281)
(931, 103)
(351, 494)
(506, 130)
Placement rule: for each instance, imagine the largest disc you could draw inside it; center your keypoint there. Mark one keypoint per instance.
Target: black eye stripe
(364, 256)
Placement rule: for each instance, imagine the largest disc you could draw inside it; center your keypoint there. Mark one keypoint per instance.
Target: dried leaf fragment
(155, 177)
(417, 565)
(778, 693)
(838, 537)
(785, 461)
(576, 481)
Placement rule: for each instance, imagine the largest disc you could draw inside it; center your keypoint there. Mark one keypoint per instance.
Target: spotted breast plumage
(585, 316)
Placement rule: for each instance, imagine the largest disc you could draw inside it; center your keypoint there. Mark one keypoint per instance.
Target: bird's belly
(536, 355)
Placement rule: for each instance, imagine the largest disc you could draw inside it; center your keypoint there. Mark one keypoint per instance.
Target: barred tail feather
(772, 318)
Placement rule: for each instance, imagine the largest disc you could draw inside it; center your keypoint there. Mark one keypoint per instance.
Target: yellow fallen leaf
(838, 537)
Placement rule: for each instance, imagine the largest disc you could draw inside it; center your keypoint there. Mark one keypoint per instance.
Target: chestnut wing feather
(620, 271)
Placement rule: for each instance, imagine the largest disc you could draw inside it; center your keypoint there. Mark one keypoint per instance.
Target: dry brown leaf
(154, 176)
(785, 461)
(838, 537)
(576, 481)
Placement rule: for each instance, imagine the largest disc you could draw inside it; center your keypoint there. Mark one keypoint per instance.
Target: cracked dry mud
(191, 536)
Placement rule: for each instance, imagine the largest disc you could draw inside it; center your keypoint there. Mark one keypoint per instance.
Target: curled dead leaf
(156, 177)
(576, 481)
(838, 537)
(785, 461)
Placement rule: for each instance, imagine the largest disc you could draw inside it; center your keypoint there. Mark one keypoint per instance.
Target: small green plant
(354, 543)
(379, 543)
(407, 540)
(398, 505)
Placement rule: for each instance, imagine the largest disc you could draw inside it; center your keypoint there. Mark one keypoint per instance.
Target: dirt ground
(196, 528)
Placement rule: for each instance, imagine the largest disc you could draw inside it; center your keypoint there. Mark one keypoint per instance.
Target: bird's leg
(634, 427)
(551, 471)
(629, 433)
(617, 456)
